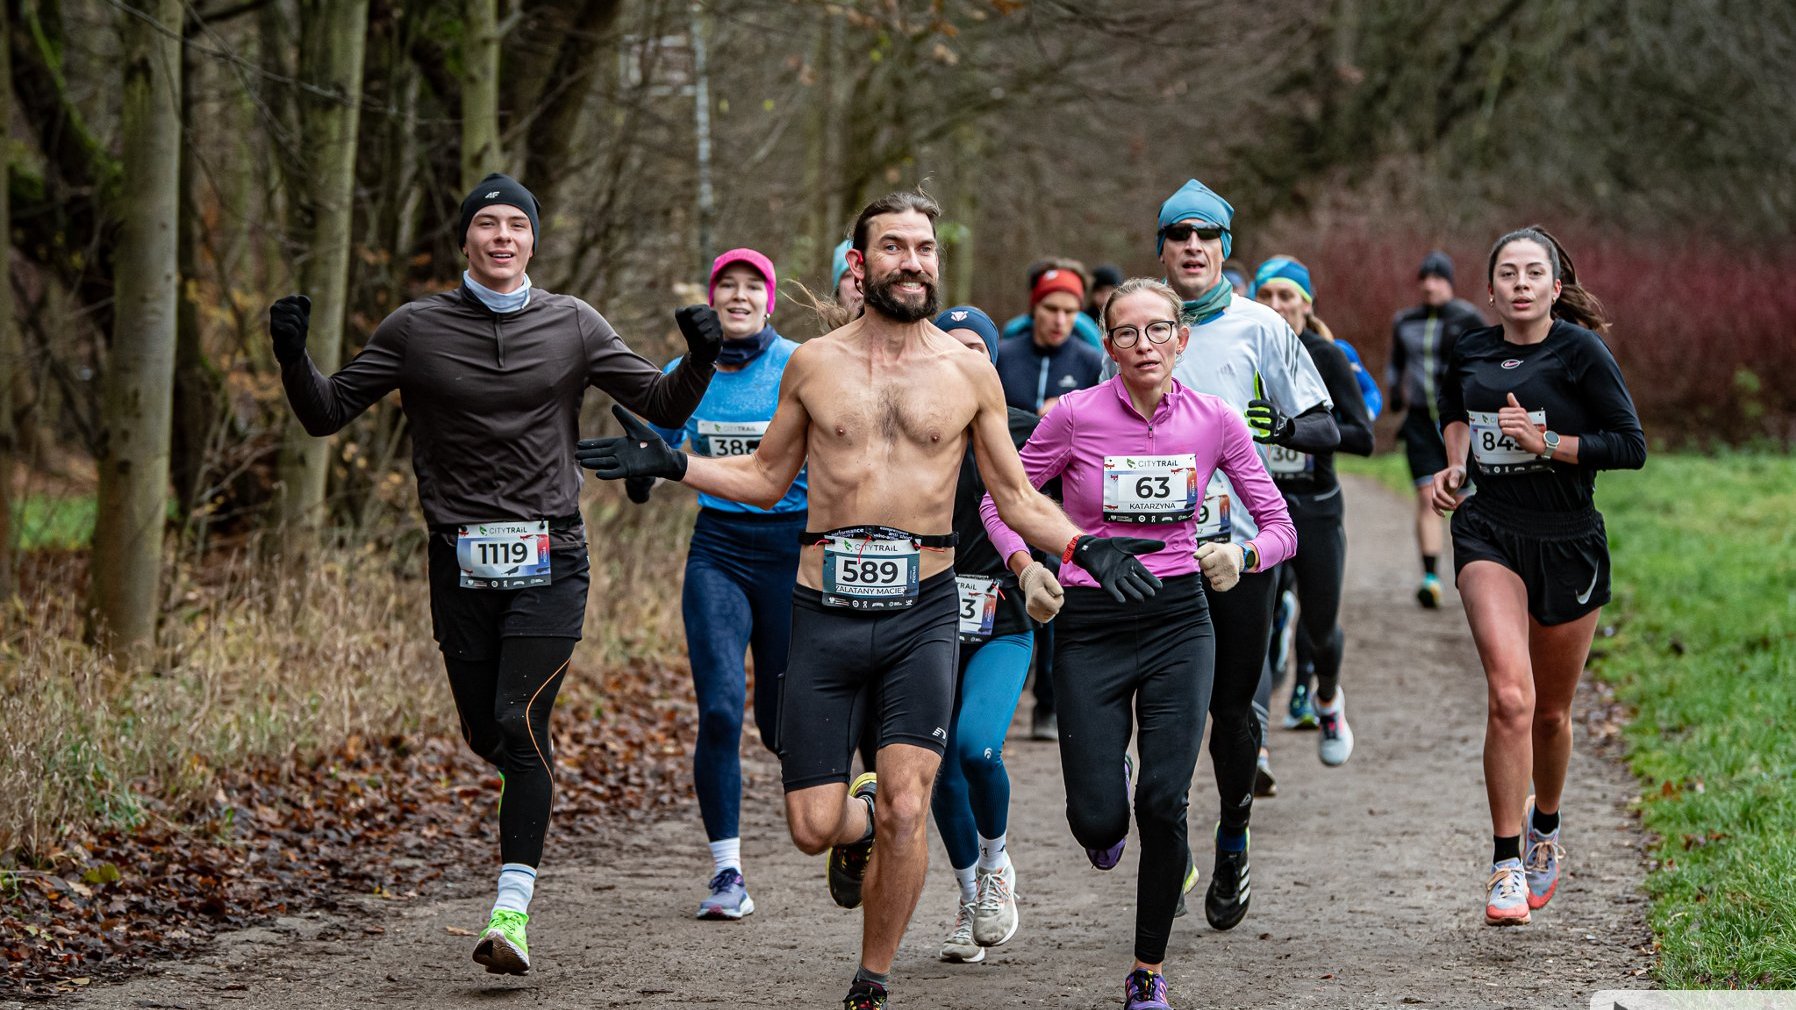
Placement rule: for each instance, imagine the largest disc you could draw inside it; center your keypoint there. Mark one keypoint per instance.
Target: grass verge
(1704, 552)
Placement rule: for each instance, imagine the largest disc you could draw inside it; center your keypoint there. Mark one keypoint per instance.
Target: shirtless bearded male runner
(881, 410)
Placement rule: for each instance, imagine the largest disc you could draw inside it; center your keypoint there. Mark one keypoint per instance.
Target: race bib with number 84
(1498, 453)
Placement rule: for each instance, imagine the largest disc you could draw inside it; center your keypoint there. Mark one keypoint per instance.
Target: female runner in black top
(1540, 405)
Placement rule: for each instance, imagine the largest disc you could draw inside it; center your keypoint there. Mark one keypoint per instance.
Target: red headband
(1057, 280)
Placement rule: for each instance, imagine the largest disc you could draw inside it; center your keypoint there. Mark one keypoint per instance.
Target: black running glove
(703, 332)
(638, 452)
(1269, 423)
(638, 488)
(288, 321)
(1112, 561)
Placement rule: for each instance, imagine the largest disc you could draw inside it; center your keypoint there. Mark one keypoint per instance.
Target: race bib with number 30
(978, 606)
(1496, 452)
(505, 555)
(1287, 464)
(1150, 489)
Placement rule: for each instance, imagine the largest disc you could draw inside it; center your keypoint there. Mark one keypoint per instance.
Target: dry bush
(262, 664)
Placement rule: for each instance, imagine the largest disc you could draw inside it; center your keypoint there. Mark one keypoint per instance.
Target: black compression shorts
(842, 660)
(468, 623)
(1422, 445)
(1562, 558)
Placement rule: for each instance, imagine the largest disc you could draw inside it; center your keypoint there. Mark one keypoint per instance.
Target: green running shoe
(502, 949)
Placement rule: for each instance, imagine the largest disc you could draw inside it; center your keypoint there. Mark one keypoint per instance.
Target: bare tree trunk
(480, 150)
(11, 361)
(197, 383)
(334, 38)
(138, 384)
(701, 118)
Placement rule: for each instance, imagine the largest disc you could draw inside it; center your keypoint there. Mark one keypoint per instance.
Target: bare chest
(923, 409)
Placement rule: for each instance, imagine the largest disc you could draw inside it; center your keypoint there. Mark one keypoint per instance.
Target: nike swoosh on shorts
(1584, 597)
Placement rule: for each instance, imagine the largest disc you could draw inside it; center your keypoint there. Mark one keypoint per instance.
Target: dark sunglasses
(1180, 232)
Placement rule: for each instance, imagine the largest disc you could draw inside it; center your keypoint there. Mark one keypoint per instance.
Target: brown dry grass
(259, 664)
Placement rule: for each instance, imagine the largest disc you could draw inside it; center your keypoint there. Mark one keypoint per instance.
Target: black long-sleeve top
(494, 400)
(1572, 380)
(1314, 473)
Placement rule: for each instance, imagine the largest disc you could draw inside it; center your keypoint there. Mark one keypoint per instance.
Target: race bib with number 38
(1150, 489)
(867, 574)
(1496, 452)
(728, 438)
(505, 555)
(978, 606)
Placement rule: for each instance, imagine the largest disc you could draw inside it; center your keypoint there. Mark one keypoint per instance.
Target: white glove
(1042, 595)
(1221, 564)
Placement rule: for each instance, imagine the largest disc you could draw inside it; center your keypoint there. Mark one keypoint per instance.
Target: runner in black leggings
(1314, 496)
(492, 375)
(1134, 455)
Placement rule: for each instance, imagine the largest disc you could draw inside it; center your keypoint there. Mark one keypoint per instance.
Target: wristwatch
(1250, 557)
(1552, 440)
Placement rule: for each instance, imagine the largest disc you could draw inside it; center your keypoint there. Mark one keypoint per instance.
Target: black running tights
(504, 704)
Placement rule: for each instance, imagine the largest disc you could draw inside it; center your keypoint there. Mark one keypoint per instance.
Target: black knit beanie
(499, 188)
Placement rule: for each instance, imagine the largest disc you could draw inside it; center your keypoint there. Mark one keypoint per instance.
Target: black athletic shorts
(468, 623)
(843, 660)
(1422, 444)
(1562, 558)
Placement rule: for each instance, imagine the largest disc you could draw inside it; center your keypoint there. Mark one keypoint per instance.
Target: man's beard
(882, 297)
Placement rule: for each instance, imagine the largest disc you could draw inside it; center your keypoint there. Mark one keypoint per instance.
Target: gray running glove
(1113, 562)
(638, 452)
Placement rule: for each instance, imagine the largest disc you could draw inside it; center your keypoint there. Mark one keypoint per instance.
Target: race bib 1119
(503, 555)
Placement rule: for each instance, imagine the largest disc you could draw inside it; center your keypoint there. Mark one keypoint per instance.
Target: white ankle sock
(726, 854)
(1329, 707)
(969, 883)
(517, 884)
(992, 854)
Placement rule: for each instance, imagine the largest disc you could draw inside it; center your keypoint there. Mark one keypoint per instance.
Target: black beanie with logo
(499, 188)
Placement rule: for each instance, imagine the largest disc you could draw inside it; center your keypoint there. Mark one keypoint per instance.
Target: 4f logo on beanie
(959, 317)
(489, 196)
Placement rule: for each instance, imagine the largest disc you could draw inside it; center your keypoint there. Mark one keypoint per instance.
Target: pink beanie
(753, 259)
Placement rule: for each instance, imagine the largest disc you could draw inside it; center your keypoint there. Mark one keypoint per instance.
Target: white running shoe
(994, 908)
(1334, 745)
(960, 946)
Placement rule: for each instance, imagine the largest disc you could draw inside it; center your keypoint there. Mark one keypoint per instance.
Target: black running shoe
(865, 995)
(848, 863)
(1225, 903)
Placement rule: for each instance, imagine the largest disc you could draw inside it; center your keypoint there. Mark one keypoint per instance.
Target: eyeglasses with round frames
(1158, 332)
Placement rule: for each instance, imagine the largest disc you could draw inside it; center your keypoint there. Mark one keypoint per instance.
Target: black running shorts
(468, 623)
(1423, 446)
(843, 662)
(1562, 558)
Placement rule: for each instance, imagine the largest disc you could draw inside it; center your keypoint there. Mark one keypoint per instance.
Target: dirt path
(1367, 883)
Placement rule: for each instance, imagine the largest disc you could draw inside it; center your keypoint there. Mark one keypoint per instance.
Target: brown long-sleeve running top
(493, 400)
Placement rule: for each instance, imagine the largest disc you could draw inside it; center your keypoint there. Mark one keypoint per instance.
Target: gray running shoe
(994, 911)
(960, 946)
(1334, 745)
(728, 898)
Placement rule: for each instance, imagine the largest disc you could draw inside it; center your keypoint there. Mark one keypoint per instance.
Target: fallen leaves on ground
(382, 817)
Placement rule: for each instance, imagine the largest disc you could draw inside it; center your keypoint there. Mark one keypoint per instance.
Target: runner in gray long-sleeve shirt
(492, 375)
